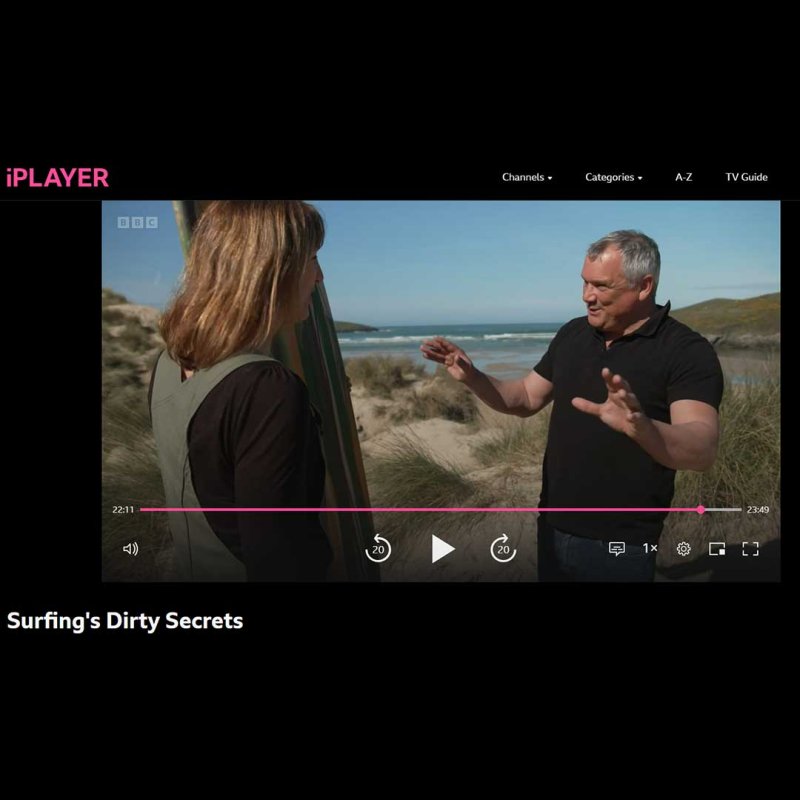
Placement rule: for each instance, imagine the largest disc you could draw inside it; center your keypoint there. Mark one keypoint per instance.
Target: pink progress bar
(695, 509)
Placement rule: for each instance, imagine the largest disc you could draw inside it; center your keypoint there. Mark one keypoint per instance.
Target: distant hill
(351, 327)
(755, 322)
(112, 298)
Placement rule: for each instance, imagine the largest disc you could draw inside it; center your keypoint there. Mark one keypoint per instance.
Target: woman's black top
(254, 443)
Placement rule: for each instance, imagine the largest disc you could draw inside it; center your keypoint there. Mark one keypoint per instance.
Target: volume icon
(132, 548)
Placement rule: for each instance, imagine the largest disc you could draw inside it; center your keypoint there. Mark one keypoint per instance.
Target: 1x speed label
(501, 551)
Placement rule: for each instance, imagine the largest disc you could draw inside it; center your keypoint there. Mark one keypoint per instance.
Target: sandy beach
(452, 445)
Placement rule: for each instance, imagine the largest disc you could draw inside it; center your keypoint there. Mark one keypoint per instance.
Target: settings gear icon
(684, 548)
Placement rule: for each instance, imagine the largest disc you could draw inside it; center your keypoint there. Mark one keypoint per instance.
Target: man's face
(610, 302)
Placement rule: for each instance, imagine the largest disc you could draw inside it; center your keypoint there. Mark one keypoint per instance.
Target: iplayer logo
(60, 177)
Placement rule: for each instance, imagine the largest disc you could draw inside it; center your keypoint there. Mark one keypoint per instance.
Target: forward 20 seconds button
(501, 550)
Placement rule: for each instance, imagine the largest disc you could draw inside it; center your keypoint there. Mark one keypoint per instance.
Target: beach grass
(113, 316)
(130, 472)
(406, 474)
(136, 338)
(441, 397)
(514, 441)
(746, 472)
(382, 375)
(131, 477)
(416, 393)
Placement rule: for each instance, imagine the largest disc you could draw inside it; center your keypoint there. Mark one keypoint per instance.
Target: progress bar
(692, 509)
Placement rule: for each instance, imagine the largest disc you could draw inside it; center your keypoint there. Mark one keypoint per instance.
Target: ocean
(511, 350)
(501, 350)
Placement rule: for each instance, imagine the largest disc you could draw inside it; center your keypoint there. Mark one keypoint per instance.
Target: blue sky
(419, 262)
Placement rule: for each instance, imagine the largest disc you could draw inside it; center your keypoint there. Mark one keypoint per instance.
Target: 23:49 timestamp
(758, 509)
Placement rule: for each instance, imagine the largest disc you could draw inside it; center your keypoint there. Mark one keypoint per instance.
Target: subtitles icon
(616, 548)
(716, 548)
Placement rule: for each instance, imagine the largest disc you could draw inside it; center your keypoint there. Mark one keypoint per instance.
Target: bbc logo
(137, 222)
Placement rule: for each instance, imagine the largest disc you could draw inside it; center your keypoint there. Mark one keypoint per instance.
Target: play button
(439, 549)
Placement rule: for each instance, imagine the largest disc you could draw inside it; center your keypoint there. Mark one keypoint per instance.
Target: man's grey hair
(640, 255)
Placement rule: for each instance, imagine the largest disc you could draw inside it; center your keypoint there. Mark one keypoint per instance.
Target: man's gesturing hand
(454, 358)
(621, 411)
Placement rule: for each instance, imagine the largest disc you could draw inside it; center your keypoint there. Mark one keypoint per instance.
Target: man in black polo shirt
(635, 397)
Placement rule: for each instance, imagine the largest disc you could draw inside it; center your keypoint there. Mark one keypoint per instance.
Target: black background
(178, 176)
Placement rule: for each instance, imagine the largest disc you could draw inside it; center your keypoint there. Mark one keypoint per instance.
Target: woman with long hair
(234, 428)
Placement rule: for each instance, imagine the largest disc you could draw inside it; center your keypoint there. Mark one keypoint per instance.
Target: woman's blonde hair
(241, 276)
